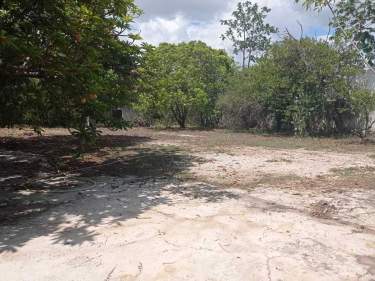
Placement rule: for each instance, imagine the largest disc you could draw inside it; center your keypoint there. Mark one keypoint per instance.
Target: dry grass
(222, 140)
(284, 160)
(342, 180)
(353, 171)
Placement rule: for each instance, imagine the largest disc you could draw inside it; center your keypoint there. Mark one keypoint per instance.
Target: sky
(185, 20)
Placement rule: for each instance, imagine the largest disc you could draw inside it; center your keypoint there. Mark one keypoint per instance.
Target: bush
(363, 102)
(303, 87)
(181, 83)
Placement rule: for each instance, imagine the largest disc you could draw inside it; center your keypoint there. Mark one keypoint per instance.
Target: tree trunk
(278, 120)
(243, 58)
(181, 122)
(180, 115)
(249, 60)
(244, 50)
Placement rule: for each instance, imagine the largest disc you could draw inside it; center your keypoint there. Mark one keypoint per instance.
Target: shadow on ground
(32, 155)
(110, 193)
(33, 167)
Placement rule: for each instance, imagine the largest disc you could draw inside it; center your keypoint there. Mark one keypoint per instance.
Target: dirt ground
(186, 205)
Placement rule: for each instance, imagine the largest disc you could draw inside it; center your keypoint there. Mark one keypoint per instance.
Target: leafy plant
(363, 102)
(299, 86)
(65, 62)
(354, 23)
(248, 32)
(182, 82)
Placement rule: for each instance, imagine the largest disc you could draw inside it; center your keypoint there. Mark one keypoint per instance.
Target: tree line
(69, 63)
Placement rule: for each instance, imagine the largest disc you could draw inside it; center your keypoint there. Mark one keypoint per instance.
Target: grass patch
(225, 138)
(222, 141)
(351, 171)
(273, 179)
(283, 160)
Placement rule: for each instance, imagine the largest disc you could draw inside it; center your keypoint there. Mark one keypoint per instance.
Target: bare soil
(186, 205)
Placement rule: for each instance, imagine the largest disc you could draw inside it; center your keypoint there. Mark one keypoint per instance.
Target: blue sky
(185, 20)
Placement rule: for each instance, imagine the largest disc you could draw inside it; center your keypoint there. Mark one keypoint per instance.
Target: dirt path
(165, 231)
(180, 228)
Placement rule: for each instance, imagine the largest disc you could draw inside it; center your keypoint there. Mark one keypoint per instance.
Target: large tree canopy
(183, 81)
(300, 86)
(354, 23)
(62, 61)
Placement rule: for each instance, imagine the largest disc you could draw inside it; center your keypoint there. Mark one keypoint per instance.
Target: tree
(248, 31)
(301, 87)
(354, 23)
(182, 82)
(242, 105)
(66, 61)
(312, 93)
(363, 103)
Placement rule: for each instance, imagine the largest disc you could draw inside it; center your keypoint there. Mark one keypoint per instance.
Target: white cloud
(184, 20)
(192, 9)
(287, 14)
(158, 30)
(179, 29)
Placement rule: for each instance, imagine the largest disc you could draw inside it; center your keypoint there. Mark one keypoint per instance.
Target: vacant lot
(186, 205)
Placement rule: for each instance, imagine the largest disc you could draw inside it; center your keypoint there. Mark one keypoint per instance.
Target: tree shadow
(30, 157)
(110, 193)
(33, 167)
(146, 162)
(207, 192)
(81, 212)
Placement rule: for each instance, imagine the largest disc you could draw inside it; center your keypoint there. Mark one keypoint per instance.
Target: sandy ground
(243, 165)
(172, 228)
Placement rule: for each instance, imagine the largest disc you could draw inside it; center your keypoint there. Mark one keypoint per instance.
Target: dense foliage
(300, 86)
(182, 83)
(354, 23)
(65, 62)
(71, 62)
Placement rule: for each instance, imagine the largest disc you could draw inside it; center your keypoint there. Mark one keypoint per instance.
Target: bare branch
(301, 28)
(288, 34)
